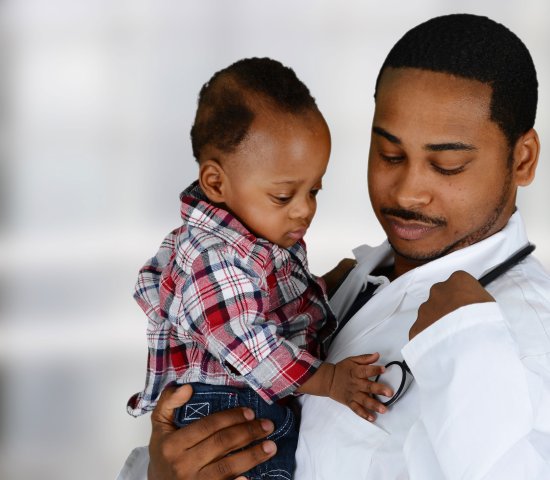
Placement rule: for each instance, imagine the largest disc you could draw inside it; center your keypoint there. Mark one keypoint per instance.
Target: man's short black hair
(477, 48)
(227, 102)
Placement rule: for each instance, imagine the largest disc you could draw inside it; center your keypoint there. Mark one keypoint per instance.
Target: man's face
(439, 174)
(273, 177)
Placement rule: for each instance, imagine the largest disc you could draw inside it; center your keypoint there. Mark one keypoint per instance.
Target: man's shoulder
(523, 295)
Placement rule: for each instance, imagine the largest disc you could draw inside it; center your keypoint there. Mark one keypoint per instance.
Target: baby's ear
(211, 180)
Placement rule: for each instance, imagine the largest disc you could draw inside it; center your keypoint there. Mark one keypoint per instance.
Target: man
(452, 139)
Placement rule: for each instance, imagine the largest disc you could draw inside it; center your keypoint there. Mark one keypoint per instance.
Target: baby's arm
(336, 276)
(348, 382)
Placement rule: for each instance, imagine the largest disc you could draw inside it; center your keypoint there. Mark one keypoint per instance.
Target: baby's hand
(352, 387)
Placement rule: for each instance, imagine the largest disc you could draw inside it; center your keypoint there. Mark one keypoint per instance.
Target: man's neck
(401, 265)
(385, 271)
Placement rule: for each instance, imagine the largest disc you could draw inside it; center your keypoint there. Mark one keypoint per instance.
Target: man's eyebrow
(440, 147)
(387, 135)
(431, 147)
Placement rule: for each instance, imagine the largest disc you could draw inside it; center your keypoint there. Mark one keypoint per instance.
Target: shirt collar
(199, 213)
(476, 259)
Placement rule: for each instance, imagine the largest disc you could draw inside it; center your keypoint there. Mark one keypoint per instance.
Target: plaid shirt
(228, 308)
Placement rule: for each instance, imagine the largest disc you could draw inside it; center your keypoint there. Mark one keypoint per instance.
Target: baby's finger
(366, 359)
(367, 371)
(358, 409)
(375, 388)
(369, 403)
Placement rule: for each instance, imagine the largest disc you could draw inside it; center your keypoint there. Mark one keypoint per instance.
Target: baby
(233, 309)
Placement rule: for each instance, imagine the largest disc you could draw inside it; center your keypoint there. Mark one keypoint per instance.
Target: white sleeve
(135, 467)
(483, 413)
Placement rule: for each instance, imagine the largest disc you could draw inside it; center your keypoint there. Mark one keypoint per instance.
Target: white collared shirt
(479, 407)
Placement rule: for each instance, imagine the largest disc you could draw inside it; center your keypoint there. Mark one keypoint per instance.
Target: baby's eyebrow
(285, 182)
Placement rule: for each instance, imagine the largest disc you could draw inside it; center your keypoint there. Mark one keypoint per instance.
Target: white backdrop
(97, 98)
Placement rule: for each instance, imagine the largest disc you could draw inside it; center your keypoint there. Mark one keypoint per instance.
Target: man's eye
(392, 158)
(314, 192)
(448, 171)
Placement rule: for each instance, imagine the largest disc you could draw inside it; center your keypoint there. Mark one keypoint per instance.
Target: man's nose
(412, 188)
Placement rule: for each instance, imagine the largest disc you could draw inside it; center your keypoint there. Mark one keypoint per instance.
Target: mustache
(411, 215)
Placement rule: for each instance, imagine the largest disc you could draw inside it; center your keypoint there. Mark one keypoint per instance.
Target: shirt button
(267, 384)
(278, 263)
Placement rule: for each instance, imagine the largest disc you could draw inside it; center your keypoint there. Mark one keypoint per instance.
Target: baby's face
(273, 177)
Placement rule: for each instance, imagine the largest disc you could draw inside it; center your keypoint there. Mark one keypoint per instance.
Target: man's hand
(351, 385)
(199, 451)
(338, 274)
(458, 290)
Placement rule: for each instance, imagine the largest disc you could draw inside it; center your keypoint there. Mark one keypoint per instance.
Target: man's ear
(212, 180)
(526, 157)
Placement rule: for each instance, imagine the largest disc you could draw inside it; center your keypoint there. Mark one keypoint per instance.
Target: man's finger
(236, 464)
(227, 440)
(170, 399)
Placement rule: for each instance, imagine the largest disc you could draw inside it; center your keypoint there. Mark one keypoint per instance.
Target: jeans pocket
(204, 401)
(285, 422)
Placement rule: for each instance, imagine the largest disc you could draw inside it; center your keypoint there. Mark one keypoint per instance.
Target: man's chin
(418, 255)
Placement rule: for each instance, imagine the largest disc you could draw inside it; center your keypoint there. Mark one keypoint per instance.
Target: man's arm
(334, 278)
(482, 414)
(459, 290)
(199, 451)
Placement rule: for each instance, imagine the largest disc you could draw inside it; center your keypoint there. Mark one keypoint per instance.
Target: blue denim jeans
(208, 399)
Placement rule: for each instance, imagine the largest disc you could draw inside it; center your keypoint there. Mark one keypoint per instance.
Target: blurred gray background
(97, 99)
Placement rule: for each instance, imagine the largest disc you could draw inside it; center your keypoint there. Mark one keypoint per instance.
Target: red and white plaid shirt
(228, 308)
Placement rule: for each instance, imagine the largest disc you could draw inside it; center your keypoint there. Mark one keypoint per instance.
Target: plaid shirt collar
(199, 213)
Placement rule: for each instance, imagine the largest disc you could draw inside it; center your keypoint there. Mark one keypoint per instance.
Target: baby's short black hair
(477, 48)
(227, 102)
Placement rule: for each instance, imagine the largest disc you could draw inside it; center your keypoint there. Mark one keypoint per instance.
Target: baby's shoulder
(207, 248)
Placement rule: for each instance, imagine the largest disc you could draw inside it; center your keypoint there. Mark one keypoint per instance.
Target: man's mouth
(410, 230)
(409, 225)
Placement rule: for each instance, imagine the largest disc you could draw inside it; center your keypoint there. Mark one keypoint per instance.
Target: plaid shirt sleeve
(225, 301)
(147, 289)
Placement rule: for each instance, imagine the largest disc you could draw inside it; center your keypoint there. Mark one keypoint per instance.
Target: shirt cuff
(282, 372)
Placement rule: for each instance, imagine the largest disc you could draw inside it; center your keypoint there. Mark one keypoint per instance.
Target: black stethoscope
(398, 372)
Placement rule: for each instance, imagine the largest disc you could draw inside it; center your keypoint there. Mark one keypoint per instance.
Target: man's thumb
(171, 398)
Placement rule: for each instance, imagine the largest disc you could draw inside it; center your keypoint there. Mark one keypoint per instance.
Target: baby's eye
(281, 199)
